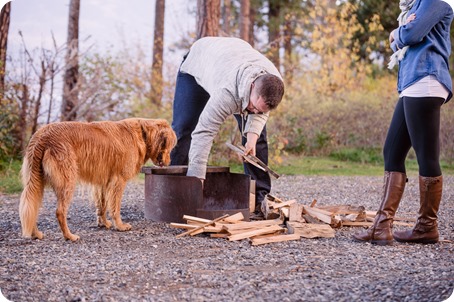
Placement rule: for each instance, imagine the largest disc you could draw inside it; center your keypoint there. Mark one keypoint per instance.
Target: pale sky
(108, 22)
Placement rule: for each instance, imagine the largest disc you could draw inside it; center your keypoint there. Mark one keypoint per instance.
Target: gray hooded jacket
(225, 68)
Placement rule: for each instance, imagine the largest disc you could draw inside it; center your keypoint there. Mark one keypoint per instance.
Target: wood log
(272, 239)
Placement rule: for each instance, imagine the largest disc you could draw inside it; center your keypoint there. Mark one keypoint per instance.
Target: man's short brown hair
(270, 88)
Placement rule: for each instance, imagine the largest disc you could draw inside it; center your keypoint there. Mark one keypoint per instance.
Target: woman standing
(421, 46)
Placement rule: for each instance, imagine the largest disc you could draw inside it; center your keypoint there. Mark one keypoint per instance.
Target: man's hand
(251, 143)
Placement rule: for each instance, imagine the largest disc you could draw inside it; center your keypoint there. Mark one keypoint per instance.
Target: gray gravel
(150, 264)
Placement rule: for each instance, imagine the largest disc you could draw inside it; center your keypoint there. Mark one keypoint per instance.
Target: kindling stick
(202, 226)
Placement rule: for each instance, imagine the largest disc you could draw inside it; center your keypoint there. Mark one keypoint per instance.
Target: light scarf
(405, 6)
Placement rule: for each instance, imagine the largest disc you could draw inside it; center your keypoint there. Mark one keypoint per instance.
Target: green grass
(9, 177)
(305, 165)
(291, 165)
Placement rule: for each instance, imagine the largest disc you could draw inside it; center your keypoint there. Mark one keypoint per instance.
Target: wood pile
(284, 221)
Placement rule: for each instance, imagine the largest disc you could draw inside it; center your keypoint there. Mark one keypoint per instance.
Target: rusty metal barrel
(170, 194)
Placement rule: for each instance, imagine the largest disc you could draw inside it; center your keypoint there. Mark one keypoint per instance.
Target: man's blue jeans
(189, 101)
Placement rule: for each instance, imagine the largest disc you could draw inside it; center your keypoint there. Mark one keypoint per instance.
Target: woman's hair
(270, 88)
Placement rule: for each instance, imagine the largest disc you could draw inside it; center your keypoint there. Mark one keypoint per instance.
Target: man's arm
(219, 107)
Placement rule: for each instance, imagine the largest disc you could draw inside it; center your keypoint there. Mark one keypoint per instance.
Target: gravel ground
(150, 264)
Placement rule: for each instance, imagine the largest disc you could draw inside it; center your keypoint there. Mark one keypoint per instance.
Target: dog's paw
(104, 223)
(124, 227)
(72, 237)
(38, 235)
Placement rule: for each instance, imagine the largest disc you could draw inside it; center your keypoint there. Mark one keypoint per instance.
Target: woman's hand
(410, 18)
(391, 37)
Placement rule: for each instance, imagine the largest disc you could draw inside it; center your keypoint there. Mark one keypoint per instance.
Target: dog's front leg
(114, 194)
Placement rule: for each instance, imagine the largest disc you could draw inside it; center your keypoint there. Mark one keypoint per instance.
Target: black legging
(415, 123)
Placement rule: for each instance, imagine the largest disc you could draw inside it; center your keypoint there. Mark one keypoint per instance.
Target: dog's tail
(33, 183)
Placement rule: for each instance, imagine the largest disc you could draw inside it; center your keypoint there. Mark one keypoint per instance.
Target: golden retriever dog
(104, 155)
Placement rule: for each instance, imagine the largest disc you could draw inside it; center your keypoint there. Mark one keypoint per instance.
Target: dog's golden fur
(103, 154)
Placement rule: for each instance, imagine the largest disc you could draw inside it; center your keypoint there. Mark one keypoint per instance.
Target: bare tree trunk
(254, 4)
(70, 88)
(4, 28)
(227, 17)
(274, 31)
(158, 51)
(42, 83)
(245, 22)
(208, 13)
(22, 122)
(288, 58)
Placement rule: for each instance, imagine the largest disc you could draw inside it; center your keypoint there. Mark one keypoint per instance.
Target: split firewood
(276, 238)
(202, 226)
(368, 224)
(371, 215)
(195, 219)
(284, 231)
(252, 224)
(285, 211)
(295, 212)
(309, 219)
(309, 230)
(182, 226)
(343, 209)
(252, 159)
(236, 218)
(325, 216)
(274, 198)
(265, 230)
(282, 204)
(269, 213)
(220, 235)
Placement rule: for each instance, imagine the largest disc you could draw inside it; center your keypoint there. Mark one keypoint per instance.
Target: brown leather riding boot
(426, 228)
(380, 232)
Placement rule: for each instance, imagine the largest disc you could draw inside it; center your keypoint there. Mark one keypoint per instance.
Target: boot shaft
(393, 189)
(430, 190)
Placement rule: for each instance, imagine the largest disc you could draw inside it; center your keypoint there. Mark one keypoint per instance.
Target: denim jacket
(429, 44)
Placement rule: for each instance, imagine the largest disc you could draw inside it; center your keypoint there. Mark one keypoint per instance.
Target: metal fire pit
(170, 194)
